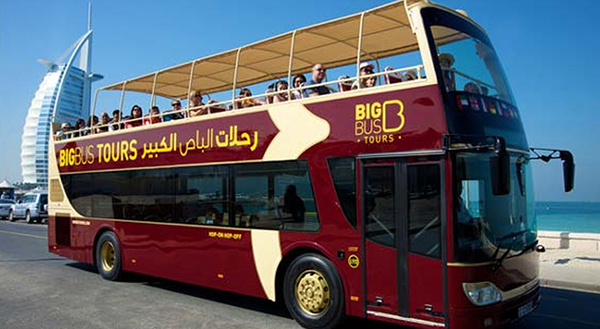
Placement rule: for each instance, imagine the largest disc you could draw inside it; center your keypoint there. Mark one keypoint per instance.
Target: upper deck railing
(389, 76)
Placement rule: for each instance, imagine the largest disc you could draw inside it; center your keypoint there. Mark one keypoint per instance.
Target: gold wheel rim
(107, 256)
(312, 292)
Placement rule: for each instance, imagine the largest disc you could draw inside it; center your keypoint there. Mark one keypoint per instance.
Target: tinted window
(275, 195)
(424, 223)
(380, 224)
(202, 195)
(343, 174)
(265, 195)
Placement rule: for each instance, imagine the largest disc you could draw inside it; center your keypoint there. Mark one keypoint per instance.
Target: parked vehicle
(33, 207)
(5, 205)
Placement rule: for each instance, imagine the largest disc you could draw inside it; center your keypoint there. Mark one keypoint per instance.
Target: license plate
(525, 309)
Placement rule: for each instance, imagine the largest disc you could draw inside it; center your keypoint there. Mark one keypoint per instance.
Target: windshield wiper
(514, 236)
(527, 247)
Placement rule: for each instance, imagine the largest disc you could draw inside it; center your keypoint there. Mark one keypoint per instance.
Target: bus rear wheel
(108, 257)
(313, 292)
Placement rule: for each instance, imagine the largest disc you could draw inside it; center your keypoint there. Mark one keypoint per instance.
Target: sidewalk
(571, 269)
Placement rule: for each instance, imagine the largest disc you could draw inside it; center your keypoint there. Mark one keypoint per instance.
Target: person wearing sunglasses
(174, 113)
(366, 78)
(195, 105)
(318, 75)
(299, 81)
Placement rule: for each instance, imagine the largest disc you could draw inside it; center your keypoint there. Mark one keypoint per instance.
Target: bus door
(401, 209)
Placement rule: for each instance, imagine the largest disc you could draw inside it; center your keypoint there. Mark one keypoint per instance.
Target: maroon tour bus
(383, 174)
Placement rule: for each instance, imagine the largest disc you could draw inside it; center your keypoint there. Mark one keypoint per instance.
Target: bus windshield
(485, 222)
(467, 59)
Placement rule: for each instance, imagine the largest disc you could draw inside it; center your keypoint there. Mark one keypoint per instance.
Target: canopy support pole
(289, 77)
(358, 51)
(235, 73)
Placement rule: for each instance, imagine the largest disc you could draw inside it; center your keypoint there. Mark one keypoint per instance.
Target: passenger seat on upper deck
(392, 77)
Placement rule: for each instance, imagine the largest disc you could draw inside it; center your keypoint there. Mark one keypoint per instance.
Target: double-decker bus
(407, 199)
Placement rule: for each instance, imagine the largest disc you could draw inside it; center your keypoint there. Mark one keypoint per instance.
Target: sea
(580, 217)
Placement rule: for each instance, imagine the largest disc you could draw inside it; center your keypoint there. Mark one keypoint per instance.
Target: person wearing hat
(63, 133)
(365, 69)
(446, 62)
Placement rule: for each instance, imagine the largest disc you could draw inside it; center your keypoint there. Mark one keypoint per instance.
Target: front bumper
(496, 315)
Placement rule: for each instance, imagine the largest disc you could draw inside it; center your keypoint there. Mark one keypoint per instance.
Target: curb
(559, 284)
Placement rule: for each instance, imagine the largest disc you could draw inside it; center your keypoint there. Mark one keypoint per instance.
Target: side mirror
(500, 169)
(568, 170)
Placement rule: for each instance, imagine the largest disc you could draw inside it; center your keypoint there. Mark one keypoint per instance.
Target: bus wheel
(313, 292)
(108, 256)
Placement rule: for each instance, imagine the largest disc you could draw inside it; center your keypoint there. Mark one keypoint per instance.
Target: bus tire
(108, 257)
(313, 292)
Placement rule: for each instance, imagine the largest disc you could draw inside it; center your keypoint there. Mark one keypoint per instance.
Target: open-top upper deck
(370, 36)
(365, 36)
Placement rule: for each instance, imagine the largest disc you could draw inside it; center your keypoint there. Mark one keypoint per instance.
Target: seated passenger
(282, 96)
(64, 132)
(80, 128)
(104, 122)
(366, 82)
(135, 120)
(92, 124)
(174, 113)
(471, 87)
(195, 106)
(484, 90)
(446, 62)
(153, 117)
(318, 75)
(116, 123)
(299, 81)
(292, 206)
(247, 102)
(269, 98)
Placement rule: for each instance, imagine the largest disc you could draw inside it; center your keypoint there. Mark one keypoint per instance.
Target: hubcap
(312, 292)
(107, 255)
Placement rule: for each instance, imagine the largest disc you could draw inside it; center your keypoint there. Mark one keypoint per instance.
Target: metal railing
(214, 107)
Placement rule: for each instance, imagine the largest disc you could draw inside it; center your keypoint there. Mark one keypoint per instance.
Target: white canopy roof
(385, 31)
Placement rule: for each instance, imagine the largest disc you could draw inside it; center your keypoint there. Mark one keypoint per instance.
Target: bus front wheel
(313, 292)
(108, 256)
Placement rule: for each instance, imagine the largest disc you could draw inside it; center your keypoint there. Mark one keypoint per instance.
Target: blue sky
(549, 51)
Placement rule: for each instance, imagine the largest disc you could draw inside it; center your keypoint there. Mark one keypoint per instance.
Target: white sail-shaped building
(63, 93)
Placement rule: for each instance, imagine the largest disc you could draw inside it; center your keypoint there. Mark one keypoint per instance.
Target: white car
(33, 207)
(5, 205)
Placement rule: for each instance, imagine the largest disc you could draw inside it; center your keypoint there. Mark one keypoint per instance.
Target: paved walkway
(569, 269)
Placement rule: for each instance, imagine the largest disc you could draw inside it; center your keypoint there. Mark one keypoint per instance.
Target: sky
(549, 52)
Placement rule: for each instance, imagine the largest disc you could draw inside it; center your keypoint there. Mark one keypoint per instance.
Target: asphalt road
(40, 290)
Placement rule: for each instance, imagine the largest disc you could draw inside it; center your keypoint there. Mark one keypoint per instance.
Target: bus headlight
(482, 293)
